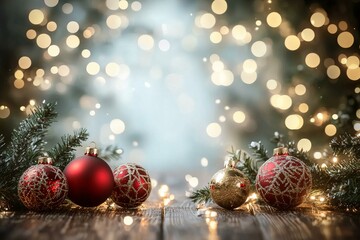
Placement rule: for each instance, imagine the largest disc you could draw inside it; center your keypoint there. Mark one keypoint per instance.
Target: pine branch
(26, 144)
(259, 151)
(201, 195)
(63, 152)
(110, 153)
(347, 145)
(246, 164)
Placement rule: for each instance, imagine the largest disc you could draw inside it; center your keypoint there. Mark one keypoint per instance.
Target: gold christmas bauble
(229, 188)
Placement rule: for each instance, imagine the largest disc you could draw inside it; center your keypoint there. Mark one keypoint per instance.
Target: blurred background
(177, 83)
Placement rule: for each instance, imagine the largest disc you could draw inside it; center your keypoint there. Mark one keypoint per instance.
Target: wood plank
(182, 221)
(82, 223)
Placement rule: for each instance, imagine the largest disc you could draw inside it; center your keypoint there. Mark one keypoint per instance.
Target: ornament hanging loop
(92, 150)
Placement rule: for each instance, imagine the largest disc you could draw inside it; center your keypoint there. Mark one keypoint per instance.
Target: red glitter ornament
(90, 179)
(132, 185)
(42, 186)
(283, 181)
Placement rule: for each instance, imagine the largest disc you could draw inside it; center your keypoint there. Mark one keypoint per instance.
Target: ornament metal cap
(91, 151)
(281, 151)
(45, 160)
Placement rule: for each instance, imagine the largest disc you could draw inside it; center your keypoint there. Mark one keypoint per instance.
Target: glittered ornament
(283, 181)
(90, 179)
(229, 187)
(42, 186)
(132, 185)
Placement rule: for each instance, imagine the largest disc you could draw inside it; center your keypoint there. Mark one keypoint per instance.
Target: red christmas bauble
(90, 180)
(283, 181)
(42, 187)
(132, 185)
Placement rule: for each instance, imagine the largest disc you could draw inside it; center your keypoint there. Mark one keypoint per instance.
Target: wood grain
(180, 220)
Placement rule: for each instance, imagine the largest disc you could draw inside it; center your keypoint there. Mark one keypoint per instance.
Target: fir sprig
(347, 145)
(63, 152)
(201, 195)
(110, 152)
(27, 143)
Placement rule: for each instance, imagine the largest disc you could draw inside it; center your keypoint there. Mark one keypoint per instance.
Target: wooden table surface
(179, 220)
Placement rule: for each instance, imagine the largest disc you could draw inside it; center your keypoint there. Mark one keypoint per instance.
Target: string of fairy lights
(74, 45)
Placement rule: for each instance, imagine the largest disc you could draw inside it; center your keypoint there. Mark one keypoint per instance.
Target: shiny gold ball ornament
(229, 187)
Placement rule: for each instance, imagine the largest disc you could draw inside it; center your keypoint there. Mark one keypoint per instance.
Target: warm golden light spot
(51, 26)
(353, 74)
(219, 6)
(40, 72)
(215, 37)
(72, 27)
(24, 62)
(304, 144)
(31, 34)
(93, 68)
(330, 130)
(128, 220)
(318, 19)
(282, 102)
(224, 30)
(213, 130)
(4, 111)
(43, 40)
(333, 72)
(248, 78)
(117, 126)
(345, 39)
(358, 113)
(352, 62)
(273, 19)
(54, 50)
(67, 8)
(136, 6)
(36, 16)
(113, 21)
(19, 74)
(312, 60)
(222, 78)
(332, 29)
(300, 89)
(317, 155)
(303, 107)
(249, 66)
(146, 42)
(239, 117)
(258, 23)
(112, 4)
(123, 4)
(112, 69)
(258, 49)
(85, 53)
(89, 32)
(207, 21)
(51, 3)
(72, 41)
(19, 83)
(271, 84)
(343, 25)
(64, 70)
(294, 122)
(292, 42)
(308, 34)
(238, 32)
(218, 66)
